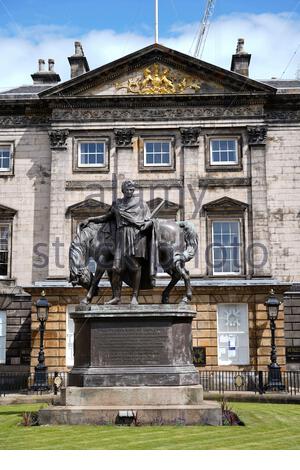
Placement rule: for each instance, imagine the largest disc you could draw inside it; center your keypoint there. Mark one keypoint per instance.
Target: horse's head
(79, 254)
(83, 278)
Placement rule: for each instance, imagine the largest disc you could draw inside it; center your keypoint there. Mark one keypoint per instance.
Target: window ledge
(228, 168)
(162, 169)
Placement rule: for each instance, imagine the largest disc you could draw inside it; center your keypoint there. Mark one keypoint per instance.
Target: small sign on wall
(199, 356)
(293, 354)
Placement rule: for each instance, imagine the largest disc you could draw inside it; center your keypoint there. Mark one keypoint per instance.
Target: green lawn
(268, 426)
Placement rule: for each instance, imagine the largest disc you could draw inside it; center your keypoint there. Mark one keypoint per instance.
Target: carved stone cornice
(58, 139)
(257, 135)
(23, 121)
(162, 113)
(283, 115)
(189, 136)
(124, 137)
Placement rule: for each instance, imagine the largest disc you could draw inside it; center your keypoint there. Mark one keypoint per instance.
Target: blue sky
(33, 29)
(125, 15)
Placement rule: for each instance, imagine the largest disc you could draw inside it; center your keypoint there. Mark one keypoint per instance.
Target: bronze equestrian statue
(129, 243)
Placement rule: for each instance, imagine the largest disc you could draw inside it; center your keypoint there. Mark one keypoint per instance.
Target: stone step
(208, 413)
(132, 396)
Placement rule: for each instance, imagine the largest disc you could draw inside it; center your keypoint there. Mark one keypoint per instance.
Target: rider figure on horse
(135, 250)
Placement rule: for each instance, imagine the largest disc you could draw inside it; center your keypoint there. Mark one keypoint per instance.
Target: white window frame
(234, 139)
(233, 337)
(224, 273)
(91, 165)
(69, 359)
(3, 321)
(157, 141)
(11, 155)
(9, 225)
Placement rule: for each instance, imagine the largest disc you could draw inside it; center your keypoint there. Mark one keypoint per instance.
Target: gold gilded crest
(159, 80)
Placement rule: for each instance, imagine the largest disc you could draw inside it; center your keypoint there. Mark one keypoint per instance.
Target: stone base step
(132, 396)
(208, 413)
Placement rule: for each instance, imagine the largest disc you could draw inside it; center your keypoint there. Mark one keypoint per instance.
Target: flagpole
(156, 21)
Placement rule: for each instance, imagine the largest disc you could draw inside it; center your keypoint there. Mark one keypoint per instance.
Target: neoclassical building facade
(220, 149)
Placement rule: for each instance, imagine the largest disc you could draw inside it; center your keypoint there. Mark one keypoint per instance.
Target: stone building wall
(17, 305)
(292, 327)
(27, 191)
(283, 193)
(32, 171)
(205, 301)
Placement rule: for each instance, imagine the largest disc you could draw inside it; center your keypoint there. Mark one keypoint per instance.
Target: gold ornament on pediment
(159, 80)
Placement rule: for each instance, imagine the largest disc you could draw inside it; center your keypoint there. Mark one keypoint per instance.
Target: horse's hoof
(165, 300)
(114, 301)
(184, 301)
(84, 302)
(134, 301)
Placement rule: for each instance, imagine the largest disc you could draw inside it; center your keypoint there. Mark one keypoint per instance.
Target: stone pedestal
(133, 363)
(146, 345)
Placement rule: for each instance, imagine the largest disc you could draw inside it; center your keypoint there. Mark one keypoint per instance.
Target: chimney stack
(241, 59)
(41, 65)
(45, 77)
(78, 61)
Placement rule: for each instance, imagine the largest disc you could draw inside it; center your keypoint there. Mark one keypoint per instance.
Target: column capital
(58, 139)
(257, 135)
(124, 136)
(189, 136)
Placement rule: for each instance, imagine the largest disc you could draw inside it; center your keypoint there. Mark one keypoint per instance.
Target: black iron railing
(219, 381)
(246, 381)
(22, 382)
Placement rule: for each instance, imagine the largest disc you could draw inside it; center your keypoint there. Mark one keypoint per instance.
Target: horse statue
(176, 244)
(129, 243)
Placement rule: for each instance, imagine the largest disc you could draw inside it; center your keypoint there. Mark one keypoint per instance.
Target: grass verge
(268, 426)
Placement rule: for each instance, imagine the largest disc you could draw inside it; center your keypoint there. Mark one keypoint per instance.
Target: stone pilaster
(57, 249)
(17, 305)
(191, 192)
(292, 327)
(126, 155)
(260, 259)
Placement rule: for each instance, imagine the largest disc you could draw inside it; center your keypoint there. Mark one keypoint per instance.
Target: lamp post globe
(41, 371)
(274, 377)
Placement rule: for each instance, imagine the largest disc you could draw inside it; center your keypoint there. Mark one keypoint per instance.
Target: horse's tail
(190, 238)
(79, 251)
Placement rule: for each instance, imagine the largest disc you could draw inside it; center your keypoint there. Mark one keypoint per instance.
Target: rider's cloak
(126, 217)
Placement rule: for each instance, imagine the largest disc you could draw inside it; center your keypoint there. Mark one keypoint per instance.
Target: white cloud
(270, 38)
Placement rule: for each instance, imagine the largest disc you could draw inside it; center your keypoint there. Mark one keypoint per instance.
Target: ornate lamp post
(40, 371)
(274, 377)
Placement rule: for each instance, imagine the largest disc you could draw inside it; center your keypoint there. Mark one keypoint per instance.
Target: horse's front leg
(94, 286)
(166, 293)
(187, 282)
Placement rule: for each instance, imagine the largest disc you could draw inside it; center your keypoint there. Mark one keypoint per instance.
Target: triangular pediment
(225, 205)
(157, 70)
(167, 206)
(7, 212)
(87, 207)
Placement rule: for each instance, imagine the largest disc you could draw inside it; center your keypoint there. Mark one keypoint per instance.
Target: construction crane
(204, 28)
